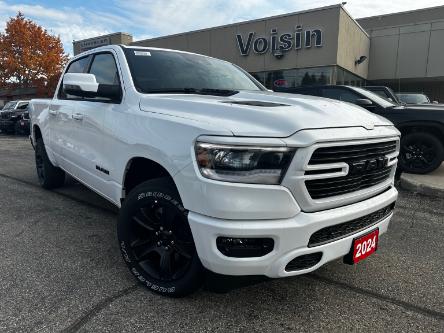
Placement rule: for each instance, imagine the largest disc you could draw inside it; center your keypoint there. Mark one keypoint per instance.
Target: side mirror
(85, 85)
(80, 84)
(364, 102)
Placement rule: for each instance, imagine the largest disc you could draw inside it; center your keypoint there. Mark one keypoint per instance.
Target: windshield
(414, 98)
(9, 106)
(374, 98)
(155, 71)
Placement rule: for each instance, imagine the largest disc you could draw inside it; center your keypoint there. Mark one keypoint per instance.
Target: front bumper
(291, 237)
(7, 125)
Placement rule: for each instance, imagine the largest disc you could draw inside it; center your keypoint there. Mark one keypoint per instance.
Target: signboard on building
(277, 44)
(93, 43)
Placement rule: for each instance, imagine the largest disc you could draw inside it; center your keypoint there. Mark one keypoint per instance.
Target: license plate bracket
(362, 247)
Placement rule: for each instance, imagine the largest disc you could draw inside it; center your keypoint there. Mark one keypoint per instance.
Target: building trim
(103, 36)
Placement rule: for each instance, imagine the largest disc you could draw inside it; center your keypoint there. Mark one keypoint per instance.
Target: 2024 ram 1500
(211, 170)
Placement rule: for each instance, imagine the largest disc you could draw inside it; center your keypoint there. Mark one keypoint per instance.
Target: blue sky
(150, 18)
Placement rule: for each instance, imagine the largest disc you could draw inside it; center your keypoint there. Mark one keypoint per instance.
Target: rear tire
(420, 153)
(156, 241)
(49, 176)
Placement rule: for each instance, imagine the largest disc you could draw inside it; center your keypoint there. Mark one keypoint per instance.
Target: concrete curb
(431, 184)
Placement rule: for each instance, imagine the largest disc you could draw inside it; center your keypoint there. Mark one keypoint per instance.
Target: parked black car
(422, 127)
(9, 116)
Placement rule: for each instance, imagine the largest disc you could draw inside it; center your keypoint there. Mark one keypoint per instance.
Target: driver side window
(341, 95)
(105, 69)
(77, 66)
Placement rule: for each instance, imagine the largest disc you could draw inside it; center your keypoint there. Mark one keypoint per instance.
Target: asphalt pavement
(430, 184)
(61, 270)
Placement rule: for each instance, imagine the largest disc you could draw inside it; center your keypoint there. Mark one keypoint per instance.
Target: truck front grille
(367, 168)
(338, 231)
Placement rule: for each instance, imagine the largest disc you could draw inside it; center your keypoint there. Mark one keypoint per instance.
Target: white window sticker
(142, 53)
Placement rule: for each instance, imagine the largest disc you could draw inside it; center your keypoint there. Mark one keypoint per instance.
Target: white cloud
(162, 17)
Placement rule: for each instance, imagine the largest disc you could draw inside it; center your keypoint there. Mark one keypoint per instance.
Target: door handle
(52, 112)
(77, 116)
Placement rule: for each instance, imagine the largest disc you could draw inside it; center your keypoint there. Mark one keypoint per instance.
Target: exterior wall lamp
(360, 60)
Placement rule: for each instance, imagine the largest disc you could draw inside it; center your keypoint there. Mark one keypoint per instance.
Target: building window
(325, 75)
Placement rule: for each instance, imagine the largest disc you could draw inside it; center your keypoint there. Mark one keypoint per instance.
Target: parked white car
(211, 170)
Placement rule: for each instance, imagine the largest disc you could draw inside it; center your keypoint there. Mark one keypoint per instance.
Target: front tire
(49, 176)
(156, 241)
(420, 153)
(17, 129)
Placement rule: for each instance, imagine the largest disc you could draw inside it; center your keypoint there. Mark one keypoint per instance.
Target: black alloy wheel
(156, 241)
(49, 176)
(420, 153)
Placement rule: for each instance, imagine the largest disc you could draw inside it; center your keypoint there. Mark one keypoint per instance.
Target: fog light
(303, 262)
(244, 247)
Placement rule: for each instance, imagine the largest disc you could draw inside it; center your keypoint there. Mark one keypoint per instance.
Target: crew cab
(421, 126)
(11, 114)
(211, 170)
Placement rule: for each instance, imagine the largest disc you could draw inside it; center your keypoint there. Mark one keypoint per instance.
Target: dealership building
(321, 46)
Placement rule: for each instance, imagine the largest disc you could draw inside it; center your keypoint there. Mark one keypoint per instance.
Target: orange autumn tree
(30, 57)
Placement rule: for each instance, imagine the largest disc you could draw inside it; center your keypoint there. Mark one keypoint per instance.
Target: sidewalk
(430, 184)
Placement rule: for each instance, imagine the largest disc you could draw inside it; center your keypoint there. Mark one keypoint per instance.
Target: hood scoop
(256, 103)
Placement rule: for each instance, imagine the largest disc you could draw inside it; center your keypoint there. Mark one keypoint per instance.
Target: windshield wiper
(202, 91)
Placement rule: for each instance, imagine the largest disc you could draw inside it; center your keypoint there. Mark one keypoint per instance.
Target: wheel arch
(139, 169)
(434, 128)
(36, 133)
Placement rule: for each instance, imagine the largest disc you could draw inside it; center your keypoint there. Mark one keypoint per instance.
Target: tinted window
(341, 95)
(78, 66)
(157, 71)
(373, 97)
(9, 106)
(380, 93)
(22, 106)
(414, 98)
(105, 69)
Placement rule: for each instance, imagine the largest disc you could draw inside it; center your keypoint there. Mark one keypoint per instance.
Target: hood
(10, 113)
(262, 113)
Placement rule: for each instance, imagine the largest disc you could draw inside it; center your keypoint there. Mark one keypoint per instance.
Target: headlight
(243, 164)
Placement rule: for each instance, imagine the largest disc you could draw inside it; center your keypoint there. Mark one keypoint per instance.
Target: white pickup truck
(213, 171)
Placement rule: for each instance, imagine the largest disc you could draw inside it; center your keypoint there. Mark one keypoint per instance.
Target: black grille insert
(352, 152)
(368, 167)
(303, 262)
(338, 231)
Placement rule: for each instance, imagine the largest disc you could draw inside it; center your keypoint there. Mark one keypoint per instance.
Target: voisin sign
(278, 44)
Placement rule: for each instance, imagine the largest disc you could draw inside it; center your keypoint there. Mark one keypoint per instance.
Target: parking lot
(61, 270)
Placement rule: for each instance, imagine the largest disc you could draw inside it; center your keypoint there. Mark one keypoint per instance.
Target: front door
(87, 132)
(60, 115)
